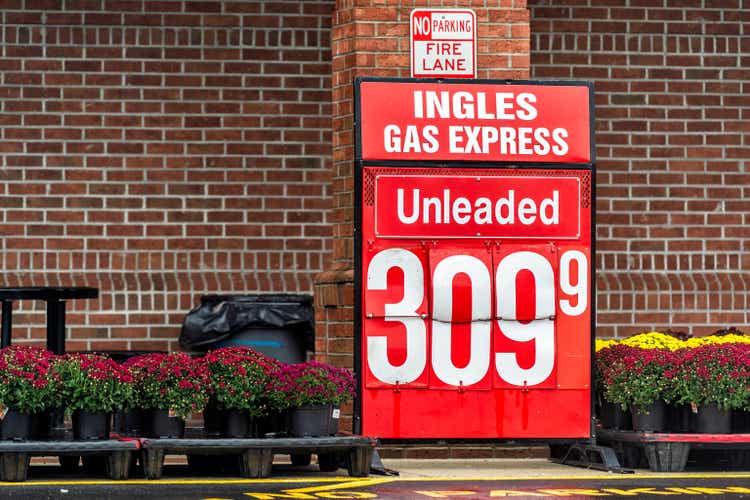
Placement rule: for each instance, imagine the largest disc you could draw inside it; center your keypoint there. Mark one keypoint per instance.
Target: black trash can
(281, 326)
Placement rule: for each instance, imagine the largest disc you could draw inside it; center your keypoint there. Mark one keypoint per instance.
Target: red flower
(310, 383)
(107, 386)
(238, 377)
(25, 380)
(173, 382)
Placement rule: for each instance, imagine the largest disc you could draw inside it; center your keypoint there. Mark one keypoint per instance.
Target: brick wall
(374, 41)
(159, 150)
(673, 116)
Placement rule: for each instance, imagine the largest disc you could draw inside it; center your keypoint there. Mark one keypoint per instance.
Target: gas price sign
(474, 283)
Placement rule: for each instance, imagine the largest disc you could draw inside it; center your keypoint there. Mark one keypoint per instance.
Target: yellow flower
(601, 344)
(654, 340)
(713, 339)
(658, 340)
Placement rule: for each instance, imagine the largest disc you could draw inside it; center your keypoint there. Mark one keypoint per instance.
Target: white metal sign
(443, 43)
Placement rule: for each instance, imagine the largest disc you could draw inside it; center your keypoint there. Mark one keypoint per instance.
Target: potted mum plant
(238, 378)
(313, 392)
(92, 386)
(611, 415)
(27, 389)
(639, 379)
(170, 387)
(713, 379)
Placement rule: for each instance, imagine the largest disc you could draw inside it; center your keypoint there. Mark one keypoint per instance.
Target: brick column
(374, 41)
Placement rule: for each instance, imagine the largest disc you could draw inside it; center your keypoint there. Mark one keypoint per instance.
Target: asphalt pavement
(417, 479)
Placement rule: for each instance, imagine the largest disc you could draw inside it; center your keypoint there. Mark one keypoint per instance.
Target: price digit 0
(442, 289)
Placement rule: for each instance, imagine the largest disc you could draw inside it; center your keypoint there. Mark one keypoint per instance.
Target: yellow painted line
(351, 483)
(177, 481)
(608, 477)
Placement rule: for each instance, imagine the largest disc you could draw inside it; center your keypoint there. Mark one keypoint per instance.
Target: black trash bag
(220, 318)
(208, 323)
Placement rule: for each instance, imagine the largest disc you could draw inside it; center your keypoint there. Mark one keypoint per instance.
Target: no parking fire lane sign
(443, 43)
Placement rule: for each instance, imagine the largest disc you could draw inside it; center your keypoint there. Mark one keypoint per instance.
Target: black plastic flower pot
(89, 426)
(58, 422)
(311, 420)
(335, 417)
(651, 418)
(212, 419)
(161, 425)
(678, 418)
(41, 425)
(16, 426)
(274, 424)
(128, 423)
(740, 422)
(710, 419)
(236, 424)
(612, 416)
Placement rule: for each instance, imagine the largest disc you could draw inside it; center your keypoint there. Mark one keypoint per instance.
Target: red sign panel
(477, 207)
(475, 122)
(475, 303)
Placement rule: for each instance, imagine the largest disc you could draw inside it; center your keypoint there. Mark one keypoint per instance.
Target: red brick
(112, 123)
(704, 93)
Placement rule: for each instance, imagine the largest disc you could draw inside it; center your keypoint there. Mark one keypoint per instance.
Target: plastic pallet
(668, 452)
(256, 455)
(16, 455)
